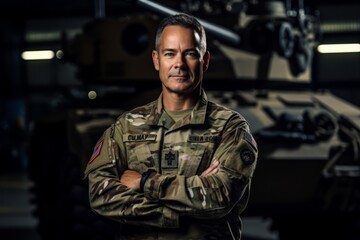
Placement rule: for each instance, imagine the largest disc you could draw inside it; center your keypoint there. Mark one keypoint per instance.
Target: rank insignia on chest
(169, 159)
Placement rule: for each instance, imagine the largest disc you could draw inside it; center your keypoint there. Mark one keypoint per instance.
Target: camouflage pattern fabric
(177, 203)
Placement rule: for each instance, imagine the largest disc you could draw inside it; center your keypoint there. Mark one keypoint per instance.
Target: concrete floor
(17, 221)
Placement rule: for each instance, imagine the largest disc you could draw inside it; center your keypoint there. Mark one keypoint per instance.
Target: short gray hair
(183, 20)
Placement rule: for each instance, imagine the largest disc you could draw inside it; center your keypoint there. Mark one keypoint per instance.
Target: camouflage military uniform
(177, 203)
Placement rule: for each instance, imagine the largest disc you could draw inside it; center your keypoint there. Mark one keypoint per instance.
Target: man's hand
(212, 169)
(131, 179)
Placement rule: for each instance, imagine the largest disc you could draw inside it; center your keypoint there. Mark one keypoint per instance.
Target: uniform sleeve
(109, 198)
(216, 195)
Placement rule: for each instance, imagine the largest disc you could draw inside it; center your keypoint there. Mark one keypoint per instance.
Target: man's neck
(173, 101)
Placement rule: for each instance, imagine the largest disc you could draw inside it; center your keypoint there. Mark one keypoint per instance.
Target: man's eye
(192, 54)
(168, 54)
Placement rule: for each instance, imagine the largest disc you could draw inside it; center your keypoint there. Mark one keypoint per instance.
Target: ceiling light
(38, 55)
(339, 48)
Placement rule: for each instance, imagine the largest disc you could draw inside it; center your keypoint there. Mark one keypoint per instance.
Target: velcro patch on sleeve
(242, 154)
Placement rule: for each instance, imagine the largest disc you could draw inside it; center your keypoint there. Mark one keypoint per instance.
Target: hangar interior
(68, 68)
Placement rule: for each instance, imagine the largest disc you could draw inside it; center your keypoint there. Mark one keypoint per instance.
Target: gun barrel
(224, 35)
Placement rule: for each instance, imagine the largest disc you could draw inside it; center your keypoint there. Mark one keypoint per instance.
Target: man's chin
(182, 91)
(182, 88)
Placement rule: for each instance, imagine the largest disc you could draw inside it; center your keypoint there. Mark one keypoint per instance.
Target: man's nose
(180, 61)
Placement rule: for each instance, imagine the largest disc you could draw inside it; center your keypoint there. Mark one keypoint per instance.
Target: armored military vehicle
(307, 177)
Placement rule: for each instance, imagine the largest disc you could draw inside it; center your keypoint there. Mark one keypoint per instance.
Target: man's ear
(155, 58)
(206, 61)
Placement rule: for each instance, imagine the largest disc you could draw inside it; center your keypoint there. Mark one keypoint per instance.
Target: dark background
(30, 90)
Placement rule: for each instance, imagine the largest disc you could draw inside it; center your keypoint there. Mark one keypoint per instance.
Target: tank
(307, 177)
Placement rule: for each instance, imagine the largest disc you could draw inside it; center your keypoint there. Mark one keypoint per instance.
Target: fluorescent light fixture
(339, 27)
(42, 36)
(339, 48)
(38, 55)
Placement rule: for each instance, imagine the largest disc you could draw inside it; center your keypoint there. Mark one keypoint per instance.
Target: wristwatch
(144, 177)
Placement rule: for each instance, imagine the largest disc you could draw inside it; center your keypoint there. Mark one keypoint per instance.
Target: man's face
(179, 60)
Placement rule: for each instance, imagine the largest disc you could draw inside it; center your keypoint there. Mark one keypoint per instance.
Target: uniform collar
(197, 115)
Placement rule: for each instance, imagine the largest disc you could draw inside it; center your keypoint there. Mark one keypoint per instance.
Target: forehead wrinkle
(174, 34)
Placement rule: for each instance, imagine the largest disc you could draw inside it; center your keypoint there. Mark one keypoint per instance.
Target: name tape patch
(204, 138)
(139, 137)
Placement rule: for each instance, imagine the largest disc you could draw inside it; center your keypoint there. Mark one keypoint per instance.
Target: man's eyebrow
(174, 50)
(168, 50)
(191, 49)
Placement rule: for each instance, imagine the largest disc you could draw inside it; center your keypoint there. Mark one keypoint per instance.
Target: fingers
(212, 169)
(131, 179)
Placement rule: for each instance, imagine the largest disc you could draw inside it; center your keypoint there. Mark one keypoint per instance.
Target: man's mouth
(180, 76)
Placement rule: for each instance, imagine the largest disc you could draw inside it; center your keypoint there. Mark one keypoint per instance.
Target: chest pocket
(202, 150)
(142, 151)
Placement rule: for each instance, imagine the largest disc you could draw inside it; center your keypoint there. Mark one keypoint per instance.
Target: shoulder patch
(247, 156)
(96, 151)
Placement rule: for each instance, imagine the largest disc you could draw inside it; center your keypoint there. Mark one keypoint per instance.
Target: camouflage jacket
(176, 199)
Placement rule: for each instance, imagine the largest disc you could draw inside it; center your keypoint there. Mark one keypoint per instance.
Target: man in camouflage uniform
(179, 167)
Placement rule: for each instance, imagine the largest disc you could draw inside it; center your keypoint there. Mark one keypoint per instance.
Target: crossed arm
(131, 179)
(167, 197)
